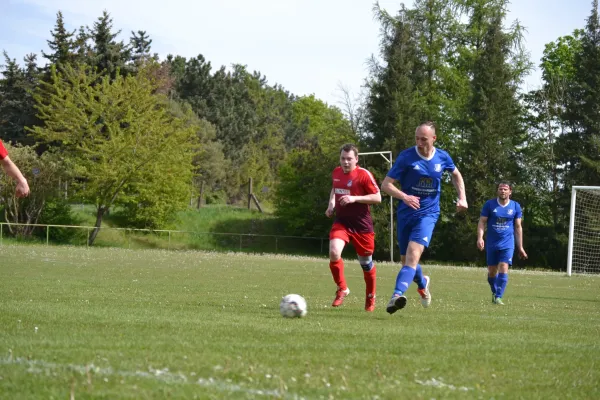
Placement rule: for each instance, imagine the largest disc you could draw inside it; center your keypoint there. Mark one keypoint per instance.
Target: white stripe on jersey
(371, 176)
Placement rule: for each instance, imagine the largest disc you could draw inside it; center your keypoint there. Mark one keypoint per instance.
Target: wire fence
(162, 239)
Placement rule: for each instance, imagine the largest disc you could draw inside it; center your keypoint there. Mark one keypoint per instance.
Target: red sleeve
(369, 182)
(3, 151)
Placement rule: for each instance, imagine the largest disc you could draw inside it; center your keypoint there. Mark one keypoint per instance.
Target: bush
(58, 212)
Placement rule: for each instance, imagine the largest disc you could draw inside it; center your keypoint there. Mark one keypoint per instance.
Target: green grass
(219, 228)
(119, 323)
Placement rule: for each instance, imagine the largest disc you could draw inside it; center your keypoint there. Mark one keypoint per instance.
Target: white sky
(308, 46)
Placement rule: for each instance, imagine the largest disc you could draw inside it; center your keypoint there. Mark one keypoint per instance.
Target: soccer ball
(293, 306)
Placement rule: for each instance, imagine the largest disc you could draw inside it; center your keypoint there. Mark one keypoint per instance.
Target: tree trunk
(96, 230)
(249, 193)
(201, 195)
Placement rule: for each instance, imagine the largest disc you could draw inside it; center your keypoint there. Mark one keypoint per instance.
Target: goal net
(584, 231)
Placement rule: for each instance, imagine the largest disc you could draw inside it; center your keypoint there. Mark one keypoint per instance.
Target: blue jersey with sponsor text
(420, 176)
(501, 223)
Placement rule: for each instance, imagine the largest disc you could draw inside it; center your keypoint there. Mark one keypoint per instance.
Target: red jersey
(356, 217)
(3, 151)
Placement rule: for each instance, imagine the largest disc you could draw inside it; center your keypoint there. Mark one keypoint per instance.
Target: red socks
(371, 280)
(337, 271)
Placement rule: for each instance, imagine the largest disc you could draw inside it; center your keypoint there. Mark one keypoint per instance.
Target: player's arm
(331, 205)
(459, 185)
(368, 185)
(13, 171)
(373, 198)
(519, 238)
(389, 187)
(480, 230)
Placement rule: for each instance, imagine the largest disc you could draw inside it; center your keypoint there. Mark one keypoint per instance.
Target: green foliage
(62, 44)
(391, 113)
(57, 211)
(210, 165)
(303, 192)
(305, 177)
(124, 145)
(494, 125)
(558, 61)
(583, 112)
(457, 62)
(109, 56)
(16, 103)
(44, 174)
(140, 47)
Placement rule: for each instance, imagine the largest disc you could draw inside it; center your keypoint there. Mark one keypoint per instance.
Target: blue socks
(501, 281)
(404, 279)
(419, 277)
(492, 282)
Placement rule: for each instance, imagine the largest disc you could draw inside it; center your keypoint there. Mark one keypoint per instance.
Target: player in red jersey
(11, 170)
(354, 188)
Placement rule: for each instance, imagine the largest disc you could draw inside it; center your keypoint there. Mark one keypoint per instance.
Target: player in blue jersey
(419, 171)
(503, 219)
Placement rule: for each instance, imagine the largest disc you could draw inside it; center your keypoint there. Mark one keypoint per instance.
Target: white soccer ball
(293, 306)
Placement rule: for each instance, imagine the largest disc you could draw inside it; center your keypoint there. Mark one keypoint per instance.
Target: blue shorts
(496, 256)
(415, 229)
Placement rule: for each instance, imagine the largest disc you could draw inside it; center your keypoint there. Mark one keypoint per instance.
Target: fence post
(240, 243)
(87, 241)
(275, 244)
(169, 245)
(47, 235)
(1, 235)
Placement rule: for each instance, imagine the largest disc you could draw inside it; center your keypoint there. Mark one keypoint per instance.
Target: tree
(82, 48)
(108, 54)
(493, 133)
(120, 138)
(391, 115)
(16, 103)
(579, 151)
(210, 165)
(305, 176)
(140, 47)
(547, 122)
(62, 43)
(43, 174)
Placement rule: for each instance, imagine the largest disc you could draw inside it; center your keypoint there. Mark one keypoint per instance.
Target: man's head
(504, 190)
(348, 157)
(425, 137)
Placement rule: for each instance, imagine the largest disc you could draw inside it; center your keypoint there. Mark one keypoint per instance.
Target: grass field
(101, 323)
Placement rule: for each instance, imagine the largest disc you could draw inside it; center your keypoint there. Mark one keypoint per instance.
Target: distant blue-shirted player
(503, 219)
(419, 171)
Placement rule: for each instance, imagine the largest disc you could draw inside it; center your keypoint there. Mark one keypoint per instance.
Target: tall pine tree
(108, 54)
(62, 44)
(581, 154)
(16, 102)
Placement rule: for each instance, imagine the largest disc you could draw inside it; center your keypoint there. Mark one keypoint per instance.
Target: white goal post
(387, 156)
(584, 231)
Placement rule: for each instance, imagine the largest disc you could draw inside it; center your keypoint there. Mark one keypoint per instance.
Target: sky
(307, 46)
